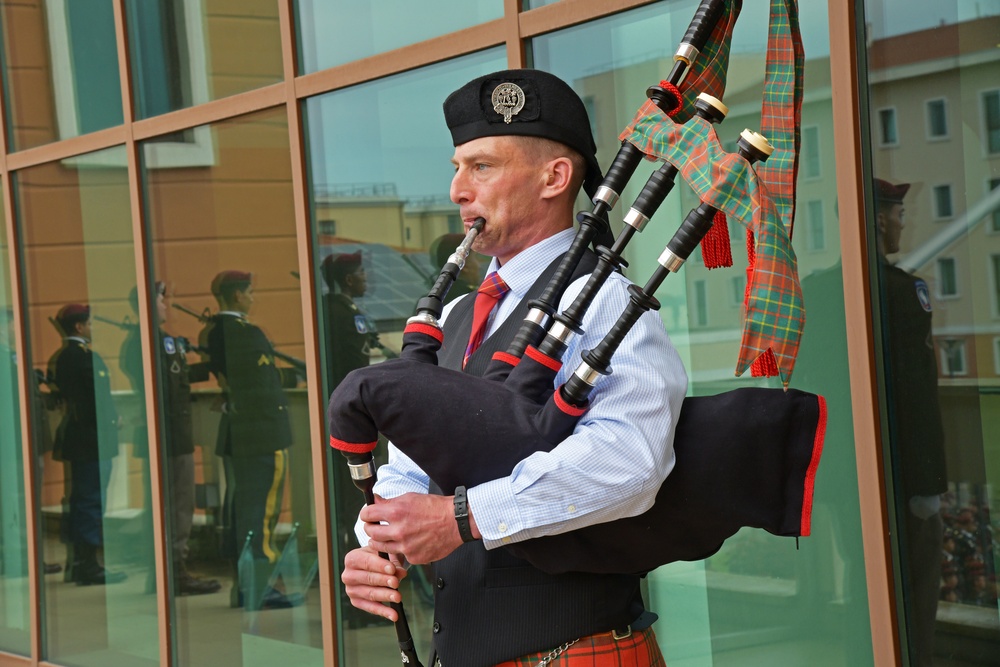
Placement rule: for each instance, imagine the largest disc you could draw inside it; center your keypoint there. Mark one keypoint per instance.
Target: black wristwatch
(462, 515)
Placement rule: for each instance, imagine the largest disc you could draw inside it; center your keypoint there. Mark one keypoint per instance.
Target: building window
(816, 238)
(996, 356)
(991, 120)
(327, 227)
(942, 201)
(737, 290)
(810, 152)
(995, 264)
(887, 127)
(953, 357)
(947, 277)
(937, 119)
(700, 303)
(995, 215)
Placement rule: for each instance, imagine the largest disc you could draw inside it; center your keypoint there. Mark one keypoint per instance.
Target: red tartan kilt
(603, 650)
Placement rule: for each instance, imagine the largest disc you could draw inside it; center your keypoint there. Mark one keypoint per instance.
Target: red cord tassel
(678, 101)
(715, 249)
(765, 365)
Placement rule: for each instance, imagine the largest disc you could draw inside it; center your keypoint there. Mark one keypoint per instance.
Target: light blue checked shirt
(620, 451)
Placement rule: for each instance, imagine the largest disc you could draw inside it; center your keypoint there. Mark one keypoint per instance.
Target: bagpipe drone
(745, 458)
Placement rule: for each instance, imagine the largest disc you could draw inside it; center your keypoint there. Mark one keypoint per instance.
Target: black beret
(524, 102)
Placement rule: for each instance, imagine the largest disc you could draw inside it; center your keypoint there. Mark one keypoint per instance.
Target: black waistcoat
(491, 606)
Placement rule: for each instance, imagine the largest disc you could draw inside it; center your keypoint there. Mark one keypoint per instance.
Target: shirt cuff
(496, 512)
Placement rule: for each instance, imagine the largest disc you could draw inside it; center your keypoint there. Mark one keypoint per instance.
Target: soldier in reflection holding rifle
(254, 432)
(175, 377)
(86, 439)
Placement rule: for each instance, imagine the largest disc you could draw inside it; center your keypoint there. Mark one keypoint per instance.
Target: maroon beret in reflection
(229, 278)
(887, 192)
(76, 311)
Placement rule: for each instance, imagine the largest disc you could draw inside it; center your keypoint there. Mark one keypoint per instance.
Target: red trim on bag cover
(807, 496)
(543, 359)
(561, 403)
(508, 359)
(426, 329)
(352, 447)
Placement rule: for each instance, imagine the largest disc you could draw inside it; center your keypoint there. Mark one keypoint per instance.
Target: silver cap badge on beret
(508, 100)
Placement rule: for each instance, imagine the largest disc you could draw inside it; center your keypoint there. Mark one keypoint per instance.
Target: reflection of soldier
(469, 279)
(914, 419)
(175, 383)
(349, 337)
(255, 430)
(349, 330)
(87, 439)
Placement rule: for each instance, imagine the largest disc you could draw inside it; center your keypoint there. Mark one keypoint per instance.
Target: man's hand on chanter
(370, 581)
(419, 526)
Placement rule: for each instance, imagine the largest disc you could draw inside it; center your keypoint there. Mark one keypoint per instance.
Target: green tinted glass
(14, 628)
(236, 441)
(60, 69)
(189, 53)
(743, 605)
(381, 218)
(334, 33)
(934, 155)
(90, 443)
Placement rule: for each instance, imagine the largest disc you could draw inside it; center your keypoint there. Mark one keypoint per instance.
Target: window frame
(882, 143)
(928, 125)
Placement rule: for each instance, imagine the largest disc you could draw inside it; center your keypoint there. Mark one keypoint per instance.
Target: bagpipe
(745, 458)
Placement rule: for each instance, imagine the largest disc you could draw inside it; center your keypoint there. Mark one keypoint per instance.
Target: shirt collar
(521, 271)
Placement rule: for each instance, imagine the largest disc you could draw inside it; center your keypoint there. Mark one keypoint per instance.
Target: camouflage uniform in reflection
(86, 441)
(916, 428)
(175, 377)
(254, 436)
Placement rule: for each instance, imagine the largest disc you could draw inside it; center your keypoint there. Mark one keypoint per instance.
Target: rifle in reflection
(205, 317)
(125, 325)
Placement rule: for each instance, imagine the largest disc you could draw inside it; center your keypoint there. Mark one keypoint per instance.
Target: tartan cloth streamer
(774, 315)
(708, 71)
(603, 650)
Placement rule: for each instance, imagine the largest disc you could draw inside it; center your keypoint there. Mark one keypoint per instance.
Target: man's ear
(558, 175)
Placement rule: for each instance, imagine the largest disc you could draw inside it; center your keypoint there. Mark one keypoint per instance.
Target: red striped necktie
(489, 295)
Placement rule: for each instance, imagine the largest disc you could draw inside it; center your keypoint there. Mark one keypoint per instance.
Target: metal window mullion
(314, 395)
(147, 331)
(846, 53)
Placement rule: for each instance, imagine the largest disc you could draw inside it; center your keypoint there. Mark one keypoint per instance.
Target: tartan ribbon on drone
(763, 200)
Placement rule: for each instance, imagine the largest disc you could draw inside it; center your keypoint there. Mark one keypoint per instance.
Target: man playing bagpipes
(523, 150)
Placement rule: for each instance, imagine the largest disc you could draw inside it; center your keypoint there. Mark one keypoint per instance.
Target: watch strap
(462, 515)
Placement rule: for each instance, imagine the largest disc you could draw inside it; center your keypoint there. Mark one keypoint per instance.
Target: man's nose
(459, 192)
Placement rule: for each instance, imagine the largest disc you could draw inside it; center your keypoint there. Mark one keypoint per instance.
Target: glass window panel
(188, 52)
(91, 445)
(334, 33)
(743, 605)
(939, 387)
(237, 447)
(15, 635)
(811, 160)
(817, 225)
(366, 194)
(60, 69)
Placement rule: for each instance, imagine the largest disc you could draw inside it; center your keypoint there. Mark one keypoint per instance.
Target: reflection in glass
(382, 220)
(93, 485)
(334, 33)
(936, 288)
(237, 461)
(14, 621)
(758, 585)
(188, 52)
(60, 69)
